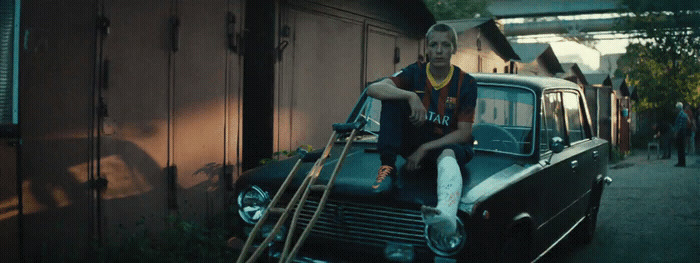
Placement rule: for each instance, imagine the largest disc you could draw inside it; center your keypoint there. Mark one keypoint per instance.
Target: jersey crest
(451, 103)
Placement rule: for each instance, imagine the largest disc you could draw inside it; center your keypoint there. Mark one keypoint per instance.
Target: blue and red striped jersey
(445, 106)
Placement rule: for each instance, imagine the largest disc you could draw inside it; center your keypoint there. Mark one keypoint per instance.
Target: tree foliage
(665, 66)
(457, 9)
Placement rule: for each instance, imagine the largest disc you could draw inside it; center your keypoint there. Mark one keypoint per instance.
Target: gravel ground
(650, 213)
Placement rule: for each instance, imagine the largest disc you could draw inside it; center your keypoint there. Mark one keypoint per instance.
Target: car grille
(365, 224)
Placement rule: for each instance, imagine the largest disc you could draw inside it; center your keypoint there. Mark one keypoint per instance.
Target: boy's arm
(386, 89)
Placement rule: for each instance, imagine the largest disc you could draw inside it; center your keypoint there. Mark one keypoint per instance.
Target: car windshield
(503, 121)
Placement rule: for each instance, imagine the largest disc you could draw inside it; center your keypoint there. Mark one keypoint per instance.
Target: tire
(516, 248)
(584, 232)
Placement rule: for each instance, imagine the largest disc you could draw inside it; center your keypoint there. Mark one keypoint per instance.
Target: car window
(554, 116)
(544, 137)
(367, 109)
(372, 113)
(503, 121)
(573, 116)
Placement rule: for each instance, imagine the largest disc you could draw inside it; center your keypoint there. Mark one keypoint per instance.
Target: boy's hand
(413, 161)
(418, 111)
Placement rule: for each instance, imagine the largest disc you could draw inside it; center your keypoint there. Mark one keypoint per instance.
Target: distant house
(572, 72)
(620, 87)
(536, 59)
(482, 46)
(624, 114)
(600, 98)
(599, 79)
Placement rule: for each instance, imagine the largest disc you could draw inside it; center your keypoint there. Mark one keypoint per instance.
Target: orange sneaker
(381, 183)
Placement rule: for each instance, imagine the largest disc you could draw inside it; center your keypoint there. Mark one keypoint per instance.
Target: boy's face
(440, 49)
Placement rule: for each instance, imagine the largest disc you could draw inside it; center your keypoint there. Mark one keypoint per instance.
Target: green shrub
(616, 155)
(182, 241)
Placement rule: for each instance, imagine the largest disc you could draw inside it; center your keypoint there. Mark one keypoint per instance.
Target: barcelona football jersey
(446, 103)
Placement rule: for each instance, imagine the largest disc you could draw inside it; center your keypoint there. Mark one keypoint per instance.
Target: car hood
(359, 171)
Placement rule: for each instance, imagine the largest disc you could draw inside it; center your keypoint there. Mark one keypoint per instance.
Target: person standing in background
(679, 129)
(662, 131)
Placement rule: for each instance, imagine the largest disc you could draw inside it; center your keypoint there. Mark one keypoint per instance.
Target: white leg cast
(449, 191)
(449, 184)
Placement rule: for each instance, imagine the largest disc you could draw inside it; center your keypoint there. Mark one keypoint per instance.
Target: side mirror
(556, 144)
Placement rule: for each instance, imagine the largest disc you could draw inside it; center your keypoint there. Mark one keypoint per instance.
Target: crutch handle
(347, 127)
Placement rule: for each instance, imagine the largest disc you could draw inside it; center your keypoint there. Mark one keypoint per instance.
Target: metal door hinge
(175, 33)
(280, 49)
(228, 176)
(103, 24)
(100, 183)
(102, 108)
(397, 55)
(231, 35)
(171, 175)
(105, 75)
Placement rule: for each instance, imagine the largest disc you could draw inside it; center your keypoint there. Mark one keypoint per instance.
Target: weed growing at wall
(284, 154)
(616, 155)
(182, 241)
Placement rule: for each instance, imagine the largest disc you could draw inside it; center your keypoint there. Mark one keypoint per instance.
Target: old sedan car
(537, 176)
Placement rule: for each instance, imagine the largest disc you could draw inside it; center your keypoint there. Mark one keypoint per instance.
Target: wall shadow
(59, 219)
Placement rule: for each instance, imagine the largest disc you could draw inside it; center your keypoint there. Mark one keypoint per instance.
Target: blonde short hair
(443, 28)
(679, 105)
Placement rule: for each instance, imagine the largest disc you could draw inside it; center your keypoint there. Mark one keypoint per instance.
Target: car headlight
(252, 203)
(448, 246)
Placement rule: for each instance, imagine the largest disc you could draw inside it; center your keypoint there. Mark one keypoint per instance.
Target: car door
(584, 155)
(553, 180)
(565, 180)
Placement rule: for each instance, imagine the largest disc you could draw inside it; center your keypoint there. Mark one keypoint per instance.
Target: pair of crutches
(299, 198)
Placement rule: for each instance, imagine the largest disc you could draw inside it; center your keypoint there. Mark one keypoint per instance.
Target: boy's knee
(447, 153)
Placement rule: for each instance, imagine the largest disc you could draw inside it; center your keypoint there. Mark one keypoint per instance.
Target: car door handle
(595, 155)
(574, 164)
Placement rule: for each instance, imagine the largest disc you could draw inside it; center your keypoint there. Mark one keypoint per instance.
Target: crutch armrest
(311, 157)
(347, 127)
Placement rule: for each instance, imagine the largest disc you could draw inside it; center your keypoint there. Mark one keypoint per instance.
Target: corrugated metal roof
(529, 52)
(491, 32)
(461, 25)
(598, 79)
(572, 69)
(617, 82)
(620, 85)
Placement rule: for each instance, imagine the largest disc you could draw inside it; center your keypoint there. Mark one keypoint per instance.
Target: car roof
(535, 83)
